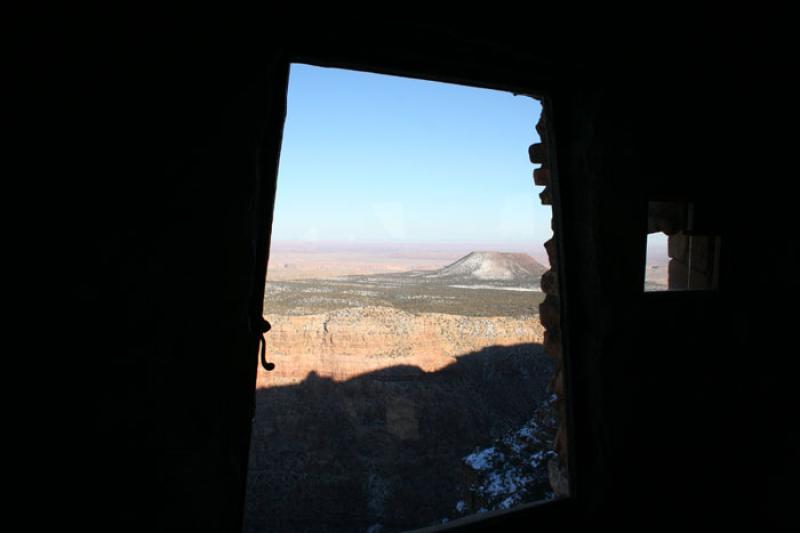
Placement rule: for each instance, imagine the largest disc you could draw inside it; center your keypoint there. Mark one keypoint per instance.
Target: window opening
(411, 385)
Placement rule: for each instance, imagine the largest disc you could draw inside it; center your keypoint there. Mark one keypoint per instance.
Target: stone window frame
(551, 311)
(693, 245)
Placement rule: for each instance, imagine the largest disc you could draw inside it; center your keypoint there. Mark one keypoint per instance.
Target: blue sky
(381, 159)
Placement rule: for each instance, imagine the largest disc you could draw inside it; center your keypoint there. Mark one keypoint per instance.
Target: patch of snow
(507, 482)
(508, 502)
(520, 289)
(513, 470)
(515, 445)
(537, 458)
(483, 459)
(527, 432)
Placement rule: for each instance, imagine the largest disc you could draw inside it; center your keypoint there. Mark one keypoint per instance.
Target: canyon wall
(345, 343)
(393, 449)
(369, 418)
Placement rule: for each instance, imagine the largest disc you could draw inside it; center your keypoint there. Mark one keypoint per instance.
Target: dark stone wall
(636, 362)
(663, 385)
(162, 126)
(161, 143)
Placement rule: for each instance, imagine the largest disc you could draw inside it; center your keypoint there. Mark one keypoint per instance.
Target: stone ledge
(559, 479)
(549, 282)
(541, 176)
(546, 197)
(536, 153)
(550, 312)
(550, 248)
(552, 342)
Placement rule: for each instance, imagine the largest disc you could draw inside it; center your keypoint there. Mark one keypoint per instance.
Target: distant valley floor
(402, 292)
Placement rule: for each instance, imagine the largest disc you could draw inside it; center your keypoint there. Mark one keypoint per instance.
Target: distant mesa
(493, 266)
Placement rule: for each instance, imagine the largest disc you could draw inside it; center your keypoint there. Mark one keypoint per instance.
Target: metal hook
(265, 327)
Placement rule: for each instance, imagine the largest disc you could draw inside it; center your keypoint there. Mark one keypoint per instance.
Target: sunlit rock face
(348, 342)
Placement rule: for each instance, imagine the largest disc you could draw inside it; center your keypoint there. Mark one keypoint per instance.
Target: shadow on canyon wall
(384, 450)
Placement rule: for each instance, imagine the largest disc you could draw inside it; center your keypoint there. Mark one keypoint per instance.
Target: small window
(679, 257)
(656, 274)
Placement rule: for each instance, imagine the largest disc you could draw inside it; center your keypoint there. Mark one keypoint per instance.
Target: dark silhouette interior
(161, 141)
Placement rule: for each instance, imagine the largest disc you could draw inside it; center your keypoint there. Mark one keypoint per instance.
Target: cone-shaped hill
(493, 266)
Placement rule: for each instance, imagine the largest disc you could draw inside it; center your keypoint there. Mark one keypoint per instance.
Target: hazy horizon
(476, 246)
